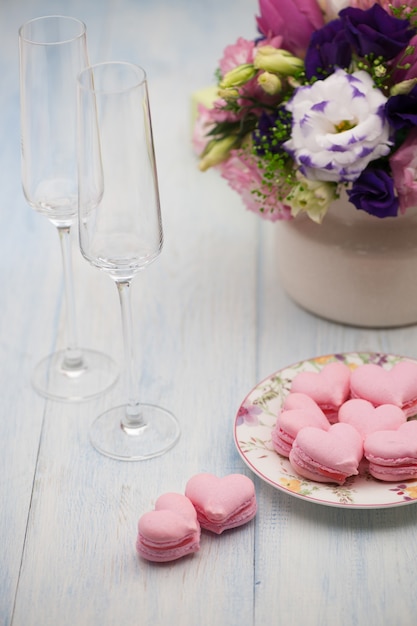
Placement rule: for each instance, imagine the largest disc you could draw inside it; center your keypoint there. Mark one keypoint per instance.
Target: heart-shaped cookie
(170, 531)
(367, 419)
(222, 503)
(298, 411)
(392, 454)
(393, 446)
(327, 456)
(329, 388)
(297, 400)
(397, 385)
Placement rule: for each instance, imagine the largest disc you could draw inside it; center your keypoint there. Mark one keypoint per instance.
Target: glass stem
(73, 359)
(133, 420)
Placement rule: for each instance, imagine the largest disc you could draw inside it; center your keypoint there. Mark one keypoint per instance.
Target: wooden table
(211, 320)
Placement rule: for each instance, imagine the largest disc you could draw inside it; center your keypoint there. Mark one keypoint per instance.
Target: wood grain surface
(211, 320)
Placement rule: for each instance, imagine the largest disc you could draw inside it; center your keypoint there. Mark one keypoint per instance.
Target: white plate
(252, 432)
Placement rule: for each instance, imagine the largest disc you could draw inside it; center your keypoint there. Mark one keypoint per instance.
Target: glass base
(89, 375)
(159, 431)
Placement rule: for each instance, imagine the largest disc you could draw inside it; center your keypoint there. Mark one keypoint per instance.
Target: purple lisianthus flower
(374, 193)
(329, 48)
(376, 32)
(401, 110)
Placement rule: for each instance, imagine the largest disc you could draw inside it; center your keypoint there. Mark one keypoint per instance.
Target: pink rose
(237, 54)
(294, 20)
(404, 171)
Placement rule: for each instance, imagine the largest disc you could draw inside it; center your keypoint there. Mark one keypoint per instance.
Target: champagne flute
(53, 50)
(120, 232)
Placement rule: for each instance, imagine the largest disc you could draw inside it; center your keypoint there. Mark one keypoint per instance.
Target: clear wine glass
(120, 232)
(53, 50)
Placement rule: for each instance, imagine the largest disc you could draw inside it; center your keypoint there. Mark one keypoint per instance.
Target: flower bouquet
(323, 101)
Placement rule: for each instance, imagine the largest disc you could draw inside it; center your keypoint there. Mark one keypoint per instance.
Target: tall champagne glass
(53, 50)
(121, 232)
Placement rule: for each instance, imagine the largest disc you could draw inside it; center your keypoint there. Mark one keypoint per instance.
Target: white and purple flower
(339, 115)
(339, 126)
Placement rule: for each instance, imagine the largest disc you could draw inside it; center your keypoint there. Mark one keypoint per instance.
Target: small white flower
(338, 126)
(311, 197)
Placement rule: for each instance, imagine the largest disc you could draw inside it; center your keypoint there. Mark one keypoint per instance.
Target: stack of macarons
(333, 419)
(173, 529)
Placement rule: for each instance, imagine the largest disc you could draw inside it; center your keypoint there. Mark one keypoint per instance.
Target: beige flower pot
(353, 268)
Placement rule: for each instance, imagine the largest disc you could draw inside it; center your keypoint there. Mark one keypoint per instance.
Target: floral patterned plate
(252, 433)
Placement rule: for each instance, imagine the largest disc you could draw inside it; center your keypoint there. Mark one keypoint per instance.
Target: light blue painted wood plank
(195, 326)
(211, 321)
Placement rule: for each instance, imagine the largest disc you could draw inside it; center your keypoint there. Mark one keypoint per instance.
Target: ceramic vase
(353, 268)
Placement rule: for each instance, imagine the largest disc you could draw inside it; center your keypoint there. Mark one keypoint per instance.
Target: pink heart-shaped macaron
(222, 503)
(332, 447)
(327, 455)
(329, 388)
(298, 411)
(300, 401)
(397, 385)
(176, 503)
(292, 421)
(174, 507)
(367, 419)
(173, 518)
(400, 444)
(392, 454)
